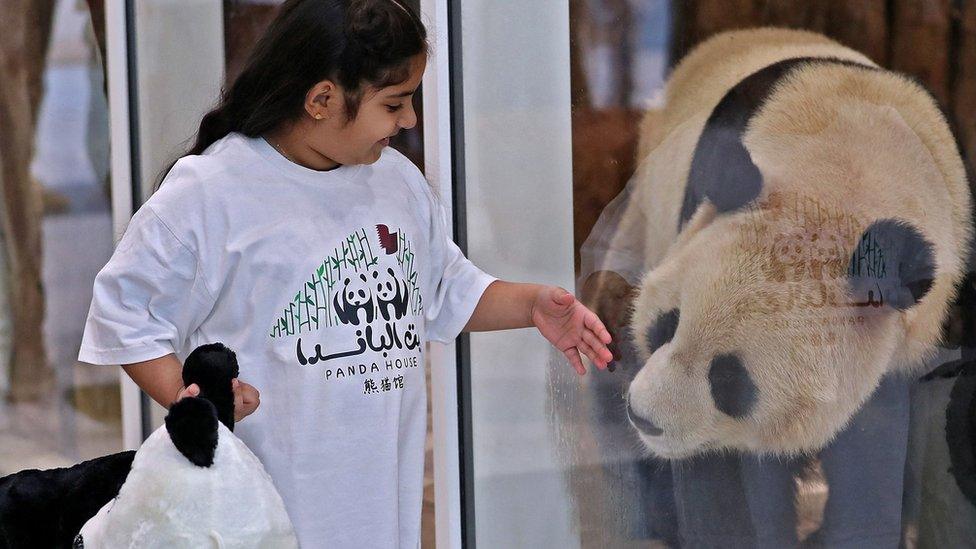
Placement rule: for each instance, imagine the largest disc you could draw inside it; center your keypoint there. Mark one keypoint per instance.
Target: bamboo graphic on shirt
(405, 257)
(314, 306)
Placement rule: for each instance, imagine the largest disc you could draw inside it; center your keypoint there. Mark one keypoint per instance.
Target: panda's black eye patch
(663, 329)
(733, 390)
(893, 264)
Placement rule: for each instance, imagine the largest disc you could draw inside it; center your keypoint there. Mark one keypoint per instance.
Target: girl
(294, 235)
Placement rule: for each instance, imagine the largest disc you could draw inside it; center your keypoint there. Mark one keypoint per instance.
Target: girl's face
(382, 114)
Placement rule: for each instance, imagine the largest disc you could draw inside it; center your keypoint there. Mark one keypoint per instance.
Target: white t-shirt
(327, 285)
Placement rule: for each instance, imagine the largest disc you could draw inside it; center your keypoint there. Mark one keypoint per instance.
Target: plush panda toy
(191, 484)
(805, 220)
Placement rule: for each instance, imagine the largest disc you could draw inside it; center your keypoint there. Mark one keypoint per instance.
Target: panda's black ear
(192, 426)
(893, 264)
(212, 367)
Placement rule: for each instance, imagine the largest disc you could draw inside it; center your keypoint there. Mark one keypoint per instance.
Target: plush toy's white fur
(167, 501)
(838, 147)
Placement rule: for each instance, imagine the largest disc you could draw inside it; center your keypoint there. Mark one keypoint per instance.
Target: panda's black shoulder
(721, 169)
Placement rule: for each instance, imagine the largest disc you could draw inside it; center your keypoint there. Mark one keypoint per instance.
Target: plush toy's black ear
(893, 265)
(212, 367)
(192, 426)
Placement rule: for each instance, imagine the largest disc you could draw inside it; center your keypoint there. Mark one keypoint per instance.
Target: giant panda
(805, 220)
(192, 483)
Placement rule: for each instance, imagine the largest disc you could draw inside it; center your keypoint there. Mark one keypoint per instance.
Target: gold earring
(318, 116)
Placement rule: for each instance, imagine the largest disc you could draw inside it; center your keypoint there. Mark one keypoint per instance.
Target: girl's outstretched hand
(571, 327)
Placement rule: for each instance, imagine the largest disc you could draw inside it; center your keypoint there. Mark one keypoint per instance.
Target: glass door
(173, 58)
(617, 147)
(518, 222)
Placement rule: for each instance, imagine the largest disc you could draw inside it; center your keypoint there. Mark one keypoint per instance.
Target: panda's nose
(643, 424)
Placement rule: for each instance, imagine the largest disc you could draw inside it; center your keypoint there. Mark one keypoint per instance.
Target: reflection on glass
(57, 234)
(786, 264)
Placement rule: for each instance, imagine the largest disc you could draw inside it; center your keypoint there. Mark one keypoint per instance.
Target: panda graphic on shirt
(357, 315)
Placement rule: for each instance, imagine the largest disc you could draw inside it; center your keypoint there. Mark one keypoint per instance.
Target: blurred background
(57, 234)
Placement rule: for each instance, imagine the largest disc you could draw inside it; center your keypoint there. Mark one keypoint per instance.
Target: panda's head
(762, 335)
(193, 483)
(356, 290)
(386, 283)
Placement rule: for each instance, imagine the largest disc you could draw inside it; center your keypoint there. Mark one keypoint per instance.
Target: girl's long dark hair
(355, 43)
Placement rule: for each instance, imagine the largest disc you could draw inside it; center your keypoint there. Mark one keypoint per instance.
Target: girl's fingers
(191, 391)
(604, 355)
(593, 323)
(574, 359)
(597, 358)
(251, 397)
(599, 344)
(564, 298)
(238, 400)
(588, 351)
(246, 397)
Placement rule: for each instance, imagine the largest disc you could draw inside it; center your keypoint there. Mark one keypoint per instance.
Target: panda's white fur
(167, 501)
(839, 147)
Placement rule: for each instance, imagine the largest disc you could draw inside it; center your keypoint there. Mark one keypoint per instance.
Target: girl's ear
(323, 100)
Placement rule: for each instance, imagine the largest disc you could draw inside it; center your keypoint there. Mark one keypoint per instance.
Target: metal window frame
(124, 138)
(444, 161)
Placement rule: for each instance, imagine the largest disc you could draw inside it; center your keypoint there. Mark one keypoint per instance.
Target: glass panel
(57, 234)
(775, 227)
(774, 248)
(518, 210)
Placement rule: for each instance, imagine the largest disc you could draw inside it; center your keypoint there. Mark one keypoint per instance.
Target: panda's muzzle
(643, 424)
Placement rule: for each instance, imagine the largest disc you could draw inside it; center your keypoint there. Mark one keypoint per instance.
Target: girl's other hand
(192, 391)
(246, 397)
(571, 328)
